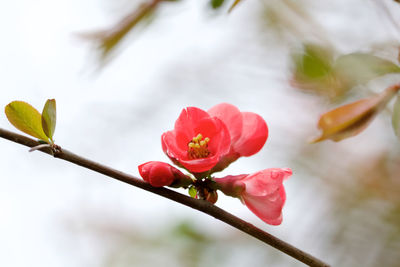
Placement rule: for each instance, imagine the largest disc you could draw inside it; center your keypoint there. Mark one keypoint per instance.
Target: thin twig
(109, 38)
(197, 204)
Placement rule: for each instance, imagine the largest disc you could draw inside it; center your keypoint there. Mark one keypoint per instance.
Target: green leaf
(26, 119)
(359, 68)
(314, 62)
(351, 119)
(192, 192)
(49, 117)
(396, 117)
(313, 72)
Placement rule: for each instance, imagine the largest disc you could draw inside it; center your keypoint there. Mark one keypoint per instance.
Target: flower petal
(268, 209)
(262, 192)
(265, 182)
(231, 116)
(171, 147)
(254, 135)
(188, 121)
(199, 165)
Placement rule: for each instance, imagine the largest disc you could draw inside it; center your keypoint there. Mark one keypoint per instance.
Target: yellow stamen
(198, 148)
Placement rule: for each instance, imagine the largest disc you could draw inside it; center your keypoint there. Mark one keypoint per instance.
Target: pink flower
(262, 192)
(248, 132)
(160, 174)
(202, 141)
(198, 140)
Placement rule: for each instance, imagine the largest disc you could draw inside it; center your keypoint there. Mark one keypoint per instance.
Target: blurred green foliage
(183, 244)
(216, 3)
(316, 71)
(360, 68)
(314, 62)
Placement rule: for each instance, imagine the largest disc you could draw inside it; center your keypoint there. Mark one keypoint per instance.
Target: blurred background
(270, 57)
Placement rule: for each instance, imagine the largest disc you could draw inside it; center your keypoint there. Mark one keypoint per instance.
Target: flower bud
(212, 197)
(262, 192)
(160, 174)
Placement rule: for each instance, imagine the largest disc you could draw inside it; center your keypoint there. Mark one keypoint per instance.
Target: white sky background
(186, 57)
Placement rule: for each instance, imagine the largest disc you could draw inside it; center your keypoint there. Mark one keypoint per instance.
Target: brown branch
(197, 204)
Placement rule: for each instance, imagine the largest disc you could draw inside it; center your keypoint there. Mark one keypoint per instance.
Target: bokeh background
(343, 201)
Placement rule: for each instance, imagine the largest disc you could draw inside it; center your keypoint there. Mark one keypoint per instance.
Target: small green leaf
(396, 117)
(49, 117)
(313, 72)
(192, 192)
(26, 119)
(314, 62)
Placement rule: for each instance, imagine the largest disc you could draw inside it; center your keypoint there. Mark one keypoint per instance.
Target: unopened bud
(212, 197)
(160, 174)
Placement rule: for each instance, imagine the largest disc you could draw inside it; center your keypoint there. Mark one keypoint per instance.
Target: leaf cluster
(27, 119)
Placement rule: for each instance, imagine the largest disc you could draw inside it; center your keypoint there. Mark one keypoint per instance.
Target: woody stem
(197, 204)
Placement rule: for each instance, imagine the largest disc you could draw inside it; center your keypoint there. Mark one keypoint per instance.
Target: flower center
(198, 147)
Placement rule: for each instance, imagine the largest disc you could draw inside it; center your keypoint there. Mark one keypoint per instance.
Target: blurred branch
(200, 205)
(109, 38)
(293, 18)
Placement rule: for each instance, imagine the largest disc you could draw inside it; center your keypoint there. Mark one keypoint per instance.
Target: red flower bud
(160, 174)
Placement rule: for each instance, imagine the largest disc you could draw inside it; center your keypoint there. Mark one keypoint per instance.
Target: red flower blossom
(202, 140)
(198, 140)
(248, 132)
(262, 192)
(160, 174)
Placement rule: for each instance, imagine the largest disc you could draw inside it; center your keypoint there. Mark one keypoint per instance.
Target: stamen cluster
(198, 148)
